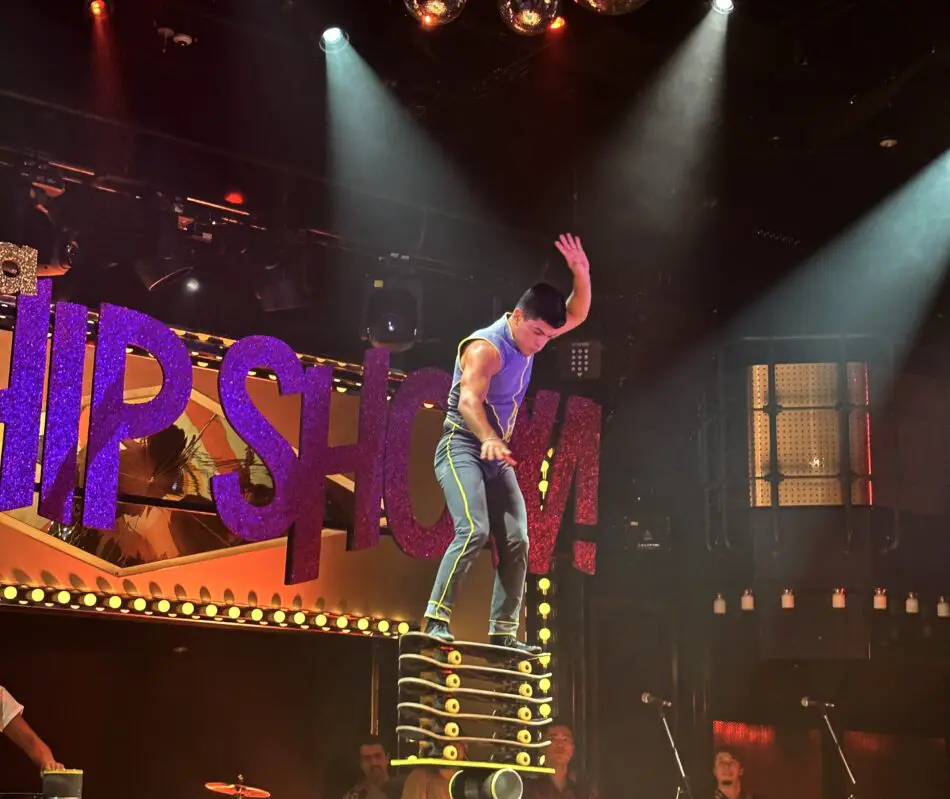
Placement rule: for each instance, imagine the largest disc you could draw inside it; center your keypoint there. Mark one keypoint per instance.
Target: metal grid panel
(808, 434)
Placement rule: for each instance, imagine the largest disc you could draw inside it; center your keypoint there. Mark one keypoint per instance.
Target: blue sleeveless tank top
(507, 388)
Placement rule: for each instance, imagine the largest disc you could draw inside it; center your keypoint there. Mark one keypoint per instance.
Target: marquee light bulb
(528, 17)
(433, 13)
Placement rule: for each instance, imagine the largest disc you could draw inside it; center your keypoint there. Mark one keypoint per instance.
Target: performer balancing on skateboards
(472, 460)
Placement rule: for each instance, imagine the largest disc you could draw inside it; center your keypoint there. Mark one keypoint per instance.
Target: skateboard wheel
(452, 681)
(523, 759)
(544, 685)
(454, 657)
(525, 667)
(545, 711)
(450, 752)
(452, 705)
(524, 713)
(525, 690)
(452, 729)
(524, 736)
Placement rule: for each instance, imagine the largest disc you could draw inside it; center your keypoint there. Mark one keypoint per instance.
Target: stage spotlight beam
(723, 6)
(333, 40)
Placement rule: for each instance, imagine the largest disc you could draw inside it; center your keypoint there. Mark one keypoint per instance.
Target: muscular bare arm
(578, 304)
(32, 745)
(480, 362)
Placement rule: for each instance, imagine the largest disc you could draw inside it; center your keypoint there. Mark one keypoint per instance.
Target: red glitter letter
(578, 450)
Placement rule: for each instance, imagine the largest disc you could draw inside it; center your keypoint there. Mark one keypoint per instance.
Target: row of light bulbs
(530, 17)
(89, 601)
(545, 611)
(839, 601)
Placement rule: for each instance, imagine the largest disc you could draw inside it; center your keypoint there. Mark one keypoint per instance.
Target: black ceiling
(810, 88)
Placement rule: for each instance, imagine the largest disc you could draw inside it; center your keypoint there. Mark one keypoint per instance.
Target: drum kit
(239, 789)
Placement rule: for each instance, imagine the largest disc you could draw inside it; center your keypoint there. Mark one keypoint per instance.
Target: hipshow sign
(379, 459)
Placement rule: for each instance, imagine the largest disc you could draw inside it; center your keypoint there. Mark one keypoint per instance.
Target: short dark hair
(373, 740)
(543, 301)
(725, 749)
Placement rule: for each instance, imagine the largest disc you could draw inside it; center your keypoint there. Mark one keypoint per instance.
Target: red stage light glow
(234, 198)
(557, 23)
(99, 9)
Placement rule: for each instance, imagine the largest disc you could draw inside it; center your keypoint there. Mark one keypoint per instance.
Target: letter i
(22, 401)
(63, 407)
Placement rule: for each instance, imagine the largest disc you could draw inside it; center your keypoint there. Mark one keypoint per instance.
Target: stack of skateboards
(479, 707)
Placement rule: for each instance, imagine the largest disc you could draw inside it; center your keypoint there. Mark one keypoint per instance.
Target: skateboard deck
(457, 652)
(502, 750)
(443, 762)
(416, 685)
(419, 662)
(416, 710)
(420, 734)
(472, 725)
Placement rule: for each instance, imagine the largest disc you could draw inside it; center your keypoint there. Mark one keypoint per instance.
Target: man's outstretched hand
(494, 449)
(573, 251)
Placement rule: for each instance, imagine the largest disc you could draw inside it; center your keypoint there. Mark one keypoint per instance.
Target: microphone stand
(844, 760)
(683, 789)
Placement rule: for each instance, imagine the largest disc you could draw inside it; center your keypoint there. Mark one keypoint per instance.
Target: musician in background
(565, 782)
(374, 763)
(727, 768)
(14, 726)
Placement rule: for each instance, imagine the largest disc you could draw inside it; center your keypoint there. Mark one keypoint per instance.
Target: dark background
(116, 699)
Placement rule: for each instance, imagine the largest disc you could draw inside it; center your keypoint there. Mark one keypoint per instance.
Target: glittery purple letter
(254, 522)
(21, 403)
(425, 385)
(318, 459)
(63, 406)
(577, 451)
(111, 419)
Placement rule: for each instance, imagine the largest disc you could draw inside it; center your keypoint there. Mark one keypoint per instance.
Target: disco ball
(528, 17)
(613, 8)
(435, 12)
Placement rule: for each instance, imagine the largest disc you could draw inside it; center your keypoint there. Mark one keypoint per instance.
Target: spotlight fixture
(334, 40)
(98, 9)
(723, 6)
(432, 13)
(392, 310)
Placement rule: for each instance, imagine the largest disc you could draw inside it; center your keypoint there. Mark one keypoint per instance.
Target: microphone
(649, 699)
(807, 702)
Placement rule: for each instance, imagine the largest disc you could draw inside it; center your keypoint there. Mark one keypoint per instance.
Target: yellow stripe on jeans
(468, 514)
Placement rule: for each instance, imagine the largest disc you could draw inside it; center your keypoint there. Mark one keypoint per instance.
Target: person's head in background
(374, 761)
(558, 755)
(727, 768)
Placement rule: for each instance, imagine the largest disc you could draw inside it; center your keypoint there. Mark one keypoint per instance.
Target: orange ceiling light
(98, 9)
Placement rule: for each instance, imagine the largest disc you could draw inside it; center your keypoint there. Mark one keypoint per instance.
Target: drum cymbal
(244, 791)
